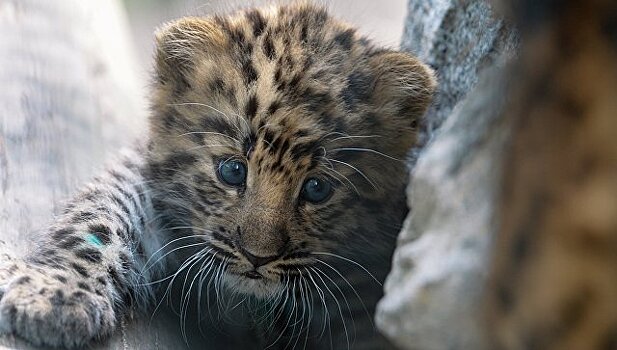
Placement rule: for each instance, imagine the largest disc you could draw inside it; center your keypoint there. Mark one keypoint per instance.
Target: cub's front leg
(87, 269)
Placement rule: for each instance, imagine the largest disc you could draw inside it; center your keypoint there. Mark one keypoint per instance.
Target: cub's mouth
(253, 282)
(253, 274)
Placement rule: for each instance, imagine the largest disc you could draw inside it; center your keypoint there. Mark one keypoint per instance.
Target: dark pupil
(233, 172)
(316, 190)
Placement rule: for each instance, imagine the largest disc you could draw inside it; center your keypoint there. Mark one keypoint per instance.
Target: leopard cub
(273, 175)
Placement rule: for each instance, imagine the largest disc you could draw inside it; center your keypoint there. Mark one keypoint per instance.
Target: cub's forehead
(288, 76)
(291, 54)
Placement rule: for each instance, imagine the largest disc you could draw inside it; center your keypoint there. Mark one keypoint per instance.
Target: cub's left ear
(404, 86)
(181, 43)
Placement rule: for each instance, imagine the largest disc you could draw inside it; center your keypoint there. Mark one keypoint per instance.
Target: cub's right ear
(181, 44)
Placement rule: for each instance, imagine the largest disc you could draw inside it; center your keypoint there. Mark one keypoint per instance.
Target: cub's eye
(232, 172)
(316, 190)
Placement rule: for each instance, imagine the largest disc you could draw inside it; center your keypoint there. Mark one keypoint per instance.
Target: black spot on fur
(102, 232)
(89, 254)
(78, 296)
(237, 35)
(169, 167)
(301, 133)
(268, 138)
(345, 39)
(278, 75)
(258, 22)
(284, 146)
(303, 149)
(304, 33)
(274, 106)
(268, 48)
(57, 298)
(60, 278)
(216, 124)
(358, 90)
(217, 85)
(252, 106)
(249, 73)
(63, 233)
(84, 286)
(247, 146)
(295, 81)
(276, 144)
(83, 216)
(70, 242)
(80, 269)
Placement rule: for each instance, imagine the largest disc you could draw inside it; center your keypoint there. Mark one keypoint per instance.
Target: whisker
(358, 171)
(344, 177)
(178, 271)
(353, 137)
(209, 133)
(350, 261)
(172, 251)
(352, 289)
(323, 301)
(368, 150)
(318, 273)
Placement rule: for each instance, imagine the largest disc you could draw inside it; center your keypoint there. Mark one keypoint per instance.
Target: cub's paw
(50, 309)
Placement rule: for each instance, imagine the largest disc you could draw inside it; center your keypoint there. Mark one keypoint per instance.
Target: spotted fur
(291, 93)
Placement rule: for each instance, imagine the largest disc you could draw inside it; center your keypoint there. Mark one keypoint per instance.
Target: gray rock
(434, 289)
(433, 293)
(458, 38)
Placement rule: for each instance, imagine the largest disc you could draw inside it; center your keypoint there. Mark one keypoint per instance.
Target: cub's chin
(260, 287)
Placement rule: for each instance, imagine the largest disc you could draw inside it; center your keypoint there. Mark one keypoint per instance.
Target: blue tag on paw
(94, 240)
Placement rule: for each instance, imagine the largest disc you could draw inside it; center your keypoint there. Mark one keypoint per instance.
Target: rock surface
(458, 38)
(440, 266)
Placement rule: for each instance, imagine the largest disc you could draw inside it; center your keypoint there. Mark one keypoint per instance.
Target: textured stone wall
(458, 38)
(434, 292)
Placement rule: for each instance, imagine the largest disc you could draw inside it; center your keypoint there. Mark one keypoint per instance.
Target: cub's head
(279, 136)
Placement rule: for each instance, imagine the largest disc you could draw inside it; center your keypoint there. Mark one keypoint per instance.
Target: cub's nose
(258, 261)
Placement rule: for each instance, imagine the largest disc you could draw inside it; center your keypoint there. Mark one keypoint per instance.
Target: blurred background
(381, 20)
